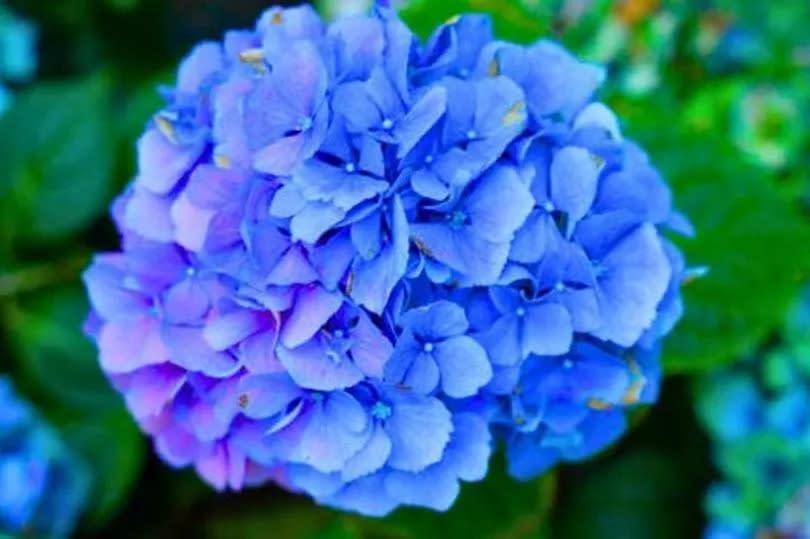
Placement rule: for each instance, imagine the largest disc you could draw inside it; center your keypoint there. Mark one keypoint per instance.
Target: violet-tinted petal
(313, 307)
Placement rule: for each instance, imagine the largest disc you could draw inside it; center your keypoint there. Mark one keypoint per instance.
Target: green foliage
(748, 235)
(58, 156)
(59, 367)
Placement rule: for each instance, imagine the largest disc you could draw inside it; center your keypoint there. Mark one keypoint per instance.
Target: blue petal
(439, 320)
(470, 447)
(499, 205)
(464, 366)
(574, 175)
(547, 330)
(366, 236)
(314, 220)
(314, 306)
(436, 488)
(335, 432)
(374, 280)
(311, 367)
(369, 459)
(267, 394)
(420, 118)
(366, 496)
(527, 459)
(636, 278)
(419, 428)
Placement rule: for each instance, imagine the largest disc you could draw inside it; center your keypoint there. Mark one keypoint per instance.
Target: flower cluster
(350, 258)
(43, 486)
(757, 415)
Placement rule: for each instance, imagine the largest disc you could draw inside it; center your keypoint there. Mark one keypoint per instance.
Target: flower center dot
(305, 123)
(428, 347)
(472, 133)
(350, 167)
(380, 410)
(387, 123)
(568, 363)
(548, 206)
(190, 271)
(339, 333)
(559, 287)
(520, 311)
(429, 159)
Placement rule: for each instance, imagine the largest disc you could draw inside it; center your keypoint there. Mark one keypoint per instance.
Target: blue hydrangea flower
(350, 259)
(757, 415)
(44, 485)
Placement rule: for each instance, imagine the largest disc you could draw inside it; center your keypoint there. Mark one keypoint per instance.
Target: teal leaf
(750, 235)
(58, 367)
(58, 154)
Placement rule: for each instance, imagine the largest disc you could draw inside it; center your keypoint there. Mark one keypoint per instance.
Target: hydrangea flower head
(757, 416)
(349, 259)
(44, 486)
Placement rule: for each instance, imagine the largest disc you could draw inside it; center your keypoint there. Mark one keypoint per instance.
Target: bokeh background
(718, 91)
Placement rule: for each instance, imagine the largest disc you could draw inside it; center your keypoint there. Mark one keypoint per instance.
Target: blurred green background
(717, 91)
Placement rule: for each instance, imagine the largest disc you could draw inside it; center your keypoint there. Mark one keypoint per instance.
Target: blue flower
(757, 416)
(434, 348)
(349, 259)
(44, 485)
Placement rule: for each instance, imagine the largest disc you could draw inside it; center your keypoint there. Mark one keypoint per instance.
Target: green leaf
(60, 370)
(635, 496)
(112, 445)
(497, 507)
(511, 20)
(58, 153)
(749, 235)
(55, 355)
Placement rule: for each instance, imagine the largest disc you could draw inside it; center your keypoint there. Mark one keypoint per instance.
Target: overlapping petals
(349, 260)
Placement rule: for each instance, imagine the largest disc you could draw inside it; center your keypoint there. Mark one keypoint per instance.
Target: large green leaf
(751, 237)
(636, 496)
(512, 21)
(58, 153)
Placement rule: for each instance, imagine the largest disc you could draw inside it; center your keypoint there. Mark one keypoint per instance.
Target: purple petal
(230, 329)
(311, 367)
(203, 62)
(126, 346)
(313, 308)
(334, 434)
(162, 164)
(258, 352)
(266, 395)
(190, 223)
(149, 215)
(370, 348)
(148, 390)
(186, 302)
(191, 351)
